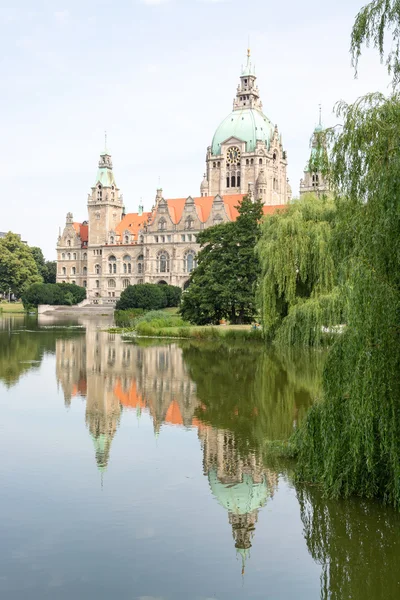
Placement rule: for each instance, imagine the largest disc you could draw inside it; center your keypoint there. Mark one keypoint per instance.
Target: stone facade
(112, 250)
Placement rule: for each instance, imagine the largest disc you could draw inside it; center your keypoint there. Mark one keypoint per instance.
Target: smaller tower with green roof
(313, 180)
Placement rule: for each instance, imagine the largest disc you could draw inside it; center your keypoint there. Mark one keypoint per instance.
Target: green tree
(298, 292)
(173, 294)
(350, 441)
(222, 286)
(50, 273)
(46, 268)
(18, 269)
(148, 296)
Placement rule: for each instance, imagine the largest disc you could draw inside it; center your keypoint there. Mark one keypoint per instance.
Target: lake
(137, 470)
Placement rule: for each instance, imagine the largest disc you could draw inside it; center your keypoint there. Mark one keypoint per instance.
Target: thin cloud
(62, 16)
(154, 2)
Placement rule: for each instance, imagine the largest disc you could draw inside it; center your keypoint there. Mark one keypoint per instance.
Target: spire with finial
(247, 95)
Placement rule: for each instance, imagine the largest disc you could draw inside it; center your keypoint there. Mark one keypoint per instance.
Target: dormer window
(112, 239)
(162, 225)
(126, 239)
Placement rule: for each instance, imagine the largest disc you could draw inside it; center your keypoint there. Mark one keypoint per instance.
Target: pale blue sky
(159, 76)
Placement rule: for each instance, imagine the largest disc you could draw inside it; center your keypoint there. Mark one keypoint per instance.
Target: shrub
(173, 294)
(53, 294)
(126, 318)
(146, 295)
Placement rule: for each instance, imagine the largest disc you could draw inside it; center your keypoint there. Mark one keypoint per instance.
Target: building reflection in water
(113, 375)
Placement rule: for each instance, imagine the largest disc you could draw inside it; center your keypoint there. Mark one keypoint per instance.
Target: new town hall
(112, 249)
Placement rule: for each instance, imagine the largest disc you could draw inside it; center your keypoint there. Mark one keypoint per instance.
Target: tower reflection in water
(114, 376)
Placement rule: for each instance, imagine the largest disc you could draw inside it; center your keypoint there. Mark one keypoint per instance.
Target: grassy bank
(11, 307)
(168, 324)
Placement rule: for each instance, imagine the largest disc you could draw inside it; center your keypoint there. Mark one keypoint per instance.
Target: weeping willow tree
(298, 292)
(351, 440)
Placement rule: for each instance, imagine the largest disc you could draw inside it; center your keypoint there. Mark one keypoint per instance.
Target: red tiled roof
(271, 209)
(132, 222)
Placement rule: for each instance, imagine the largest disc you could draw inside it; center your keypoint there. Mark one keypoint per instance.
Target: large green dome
(248, 125)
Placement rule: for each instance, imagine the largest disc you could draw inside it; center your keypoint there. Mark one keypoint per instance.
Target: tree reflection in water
(356, 542)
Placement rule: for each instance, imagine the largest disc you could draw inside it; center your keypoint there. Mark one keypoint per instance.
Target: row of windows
(249, 161)
(189, 237)
(73, 271)
(163, 264)
(68, 256)
(233, 180)
(162, 224)
(126, 239)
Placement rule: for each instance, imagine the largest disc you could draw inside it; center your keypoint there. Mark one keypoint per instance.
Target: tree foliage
(298, 292)
(18, 269)
(351, 440)
(148, 296)
(222, 286)
(47, 269)
(374, 24)
(53, 294)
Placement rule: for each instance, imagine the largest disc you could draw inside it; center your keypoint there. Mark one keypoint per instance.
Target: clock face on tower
(233, 155)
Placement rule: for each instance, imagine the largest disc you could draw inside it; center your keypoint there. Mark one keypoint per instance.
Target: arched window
(97, 283)
(73, 270)
(127, 264)
(260, 161)
(74, 255)
(189, 262)
(68, 242)
(112, 239)
(274, 156)
(162, 225)
(163, 262)
(126, 239)
(73, 282)
(84, 256)
(63, 255)
(97, 269)
(247, 161)
(125, 283)
(112, 264)
(141, 239)
(252, 161)
(228, 181)
(64, 271)
(238, 178)
(111, 283)
(85, 270)
(189, 223)
(84, 283)
(233, 181)
(69, 255)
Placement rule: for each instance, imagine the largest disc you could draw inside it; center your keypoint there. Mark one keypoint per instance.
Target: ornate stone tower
(105, 204)
(247, 149)
(314, 181)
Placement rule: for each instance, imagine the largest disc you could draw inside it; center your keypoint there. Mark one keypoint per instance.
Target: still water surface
(137, 472)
